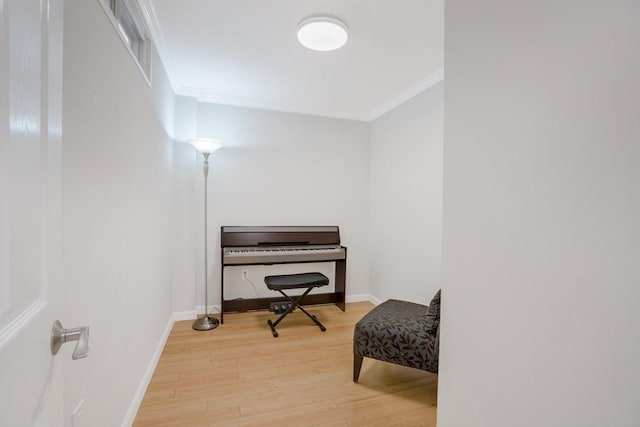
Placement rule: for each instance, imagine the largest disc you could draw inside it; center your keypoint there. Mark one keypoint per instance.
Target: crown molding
(406, 95)
(210, 98)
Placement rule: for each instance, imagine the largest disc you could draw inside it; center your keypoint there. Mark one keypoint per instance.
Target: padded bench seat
(296, 281)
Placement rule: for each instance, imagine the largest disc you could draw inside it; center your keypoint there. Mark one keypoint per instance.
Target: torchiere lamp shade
(205, 145)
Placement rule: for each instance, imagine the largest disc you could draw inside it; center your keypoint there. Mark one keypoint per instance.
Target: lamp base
(205, 323)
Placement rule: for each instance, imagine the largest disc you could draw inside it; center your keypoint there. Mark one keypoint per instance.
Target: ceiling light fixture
(322, 33)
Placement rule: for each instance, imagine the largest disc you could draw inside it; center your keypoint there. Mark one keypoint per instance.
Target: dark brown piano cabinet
(282, 245)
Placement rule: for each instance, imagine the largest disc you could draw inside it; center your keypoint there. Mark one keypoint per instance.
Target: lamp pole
(206, 323)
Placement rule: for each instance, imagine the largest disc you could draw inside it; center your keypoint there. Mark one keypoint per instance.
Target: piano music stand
(284, 282)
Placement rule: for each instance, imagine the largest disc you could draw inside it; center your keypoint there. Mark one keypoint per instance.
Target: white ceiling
(245, 52)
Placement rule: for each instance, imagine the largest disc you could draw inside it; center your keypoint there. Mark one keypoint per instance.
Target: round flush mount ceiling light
(322, 33)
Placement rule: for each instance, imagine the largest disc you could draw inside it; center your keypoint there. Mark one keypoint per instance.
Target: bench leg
(314, 318)
(273, 328)
(295, 304)
(357, 364)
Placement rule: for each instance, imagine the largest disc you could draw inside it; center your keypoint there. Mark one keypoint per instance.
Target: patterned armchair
(399, 332)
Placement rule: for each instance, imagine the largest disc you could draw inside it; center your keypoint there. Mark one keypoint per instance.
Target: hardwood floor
(240, 375)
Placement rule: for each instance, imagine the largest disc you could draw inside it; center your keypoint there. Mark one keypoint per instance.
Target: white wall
(406, 199)
(540, 321)
(279, 169)
(117, 198)
(187, 235)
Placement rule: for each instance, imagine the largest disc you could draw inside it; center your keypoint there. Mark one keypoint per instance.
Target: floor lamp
(206, 147)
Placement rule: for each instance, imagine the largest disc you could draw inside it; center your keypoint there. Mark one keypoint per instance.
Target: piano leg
(221, 290)
(340, 278)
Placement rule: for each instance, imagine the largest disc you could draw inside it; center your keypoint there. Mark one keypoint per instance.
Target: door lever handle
(60, 335)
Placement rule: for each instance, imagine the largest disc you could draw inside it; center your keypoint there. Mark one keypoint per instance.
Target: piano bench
(284, 282)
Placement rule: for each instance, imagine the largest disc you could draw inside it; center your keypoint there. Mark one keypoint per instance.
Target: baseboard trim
(184, 315)
(146, 378)
(375, 300)
(364, 297)
(357, 297)
(213, 309)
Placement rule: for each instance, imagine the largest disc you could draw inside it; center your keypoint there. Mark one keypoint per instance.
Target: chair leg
(357, 364)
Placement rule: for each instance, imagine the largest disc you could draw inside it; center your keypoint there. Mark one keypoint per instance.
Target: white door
(30, 137)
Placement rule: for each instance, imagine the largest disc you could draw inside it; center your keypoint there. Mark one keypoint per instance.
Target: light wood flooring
(240, 375)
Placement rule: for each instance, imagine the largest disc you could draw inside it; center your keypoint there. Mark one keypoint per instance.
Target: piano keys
(282, 245)
(251, 255)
